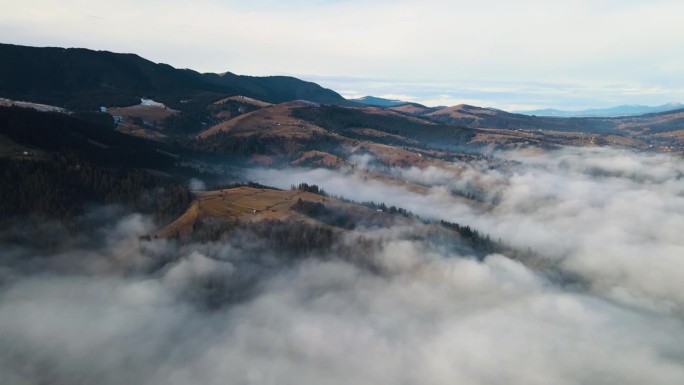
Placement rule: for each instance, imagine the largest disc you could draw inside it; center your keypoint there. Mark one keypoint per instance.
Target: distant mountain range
(623, 110)
(617, 111)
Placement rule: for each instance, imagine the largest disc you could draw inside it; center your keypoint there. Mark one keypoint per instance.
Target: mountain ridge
(83, 79)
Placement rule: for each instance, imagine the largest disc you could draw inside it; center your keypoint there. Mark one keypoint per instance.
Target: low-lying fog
(614, 217)
(102, 308)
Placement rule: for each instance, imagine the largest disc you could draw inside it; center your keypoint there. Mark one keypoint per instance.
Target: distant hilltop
(379, 102)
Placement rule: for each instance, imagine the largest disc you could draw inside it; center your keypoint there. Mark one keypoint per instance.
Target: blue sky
(504, 54)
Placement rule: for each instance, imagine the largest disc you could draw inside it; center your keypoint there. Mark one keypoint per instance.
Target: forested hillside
(70, 163)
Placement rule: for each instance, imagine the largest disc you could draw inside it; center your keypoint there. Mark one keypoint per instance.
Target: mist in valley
(598, 299)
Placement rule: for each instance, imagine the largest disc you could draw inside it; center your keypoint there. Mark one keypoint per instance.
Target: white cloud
(107, 308)
(599, 213)
(424, 317)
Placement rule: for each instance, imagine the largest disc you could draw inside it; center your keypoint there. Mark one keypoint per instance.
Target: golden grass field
(240, 203)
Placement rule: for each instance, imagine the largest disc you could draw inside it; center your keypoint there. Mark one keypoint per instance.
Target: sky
(512, 55)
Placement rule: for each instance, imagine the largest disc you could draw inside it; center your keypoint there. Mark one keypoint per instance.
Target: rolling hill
(478, 117)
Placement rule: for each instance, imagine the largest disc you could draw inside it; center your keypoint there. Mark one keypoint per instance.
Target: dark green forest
(60, 133)
(83, 80)
(74, 163)
(60, 187)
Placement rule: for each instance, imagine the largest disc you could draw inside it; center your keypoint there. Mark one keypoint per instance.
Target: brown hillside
(409, 109)
(244, 99)
(276, 119)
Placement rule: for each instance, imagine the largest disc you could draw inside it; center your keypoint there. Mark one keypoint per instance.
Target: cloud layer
(104, 307)
(601, 213)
